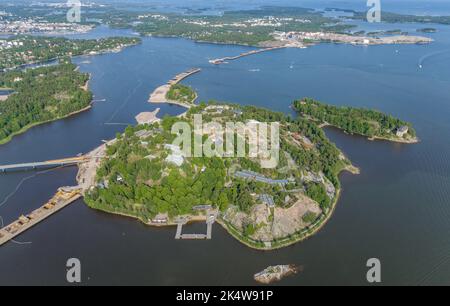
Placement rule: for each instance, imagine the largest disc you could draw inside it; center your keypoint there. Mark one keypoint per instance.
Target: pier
(180, 77)
(64, 197)
(45, 164)
(209, 222)
(224, 60)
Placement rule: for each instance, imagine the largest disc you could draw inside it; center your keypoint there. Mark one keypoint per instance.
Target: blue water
(397, 210)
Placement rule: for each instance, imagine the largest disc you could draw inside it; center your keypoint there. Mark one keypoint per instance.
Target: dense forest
(41, 95)
(366, 122)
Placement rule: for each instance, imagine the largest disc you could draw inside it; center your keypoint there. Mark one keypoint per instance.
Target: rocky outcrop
(276, 273)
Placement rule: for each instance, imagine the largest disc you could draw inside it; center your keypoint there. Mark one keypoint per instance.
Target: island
(365, 122)
(41, 95)
(175, 93)
(390, 17)
(24, 50)
(144, 175)
(427, 30)
(275, 273)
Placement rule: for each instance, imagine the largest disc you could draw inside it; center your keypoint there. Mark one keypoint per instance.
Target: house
(160, 219)
(401, 131)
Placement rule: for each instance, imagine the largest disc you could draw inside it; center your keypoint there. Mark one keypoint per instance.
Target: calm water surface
(397, 210)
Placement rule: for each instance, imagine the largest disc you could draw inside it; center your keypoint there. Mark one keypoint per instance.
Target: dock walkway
(209, 222)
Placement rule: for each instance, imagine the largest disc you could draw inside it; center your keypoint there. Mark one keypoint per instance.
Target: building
(267, 199)
(176, 157)
(401, 131)
(160, 219)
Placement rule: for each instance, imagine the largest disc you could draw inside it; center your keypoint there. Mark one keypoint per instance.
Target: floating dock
(64, 197)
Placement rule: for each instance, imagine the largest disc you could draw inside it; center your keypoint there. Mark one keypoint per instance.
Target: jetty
(224, 60)
(44, 164)
(160, 93)
(211, 219)
(64, 197)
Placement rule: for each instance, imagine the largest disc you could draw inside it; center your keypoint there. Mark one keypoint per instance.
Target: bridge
(45, 164)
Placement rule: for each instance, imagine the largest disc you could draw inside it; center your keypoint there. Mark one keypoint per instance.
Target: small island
(427, 30)
(370, 123)
(175, 93)
(41, 95)
(275, 273)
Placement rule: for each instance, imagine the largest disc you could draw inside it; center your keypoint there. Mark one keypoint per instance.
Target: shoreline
(44, 62)
(34, 124)
(27, 127)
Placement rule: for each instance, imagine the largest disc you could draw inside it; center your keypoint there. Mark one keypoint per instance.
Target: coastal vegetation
(41, 95)
(366, 122)
(23, 50)
(181, 93)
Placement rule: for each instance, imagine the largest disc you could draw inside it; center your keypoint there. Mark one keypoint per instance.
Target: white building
(176, 157)
(401, 131)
